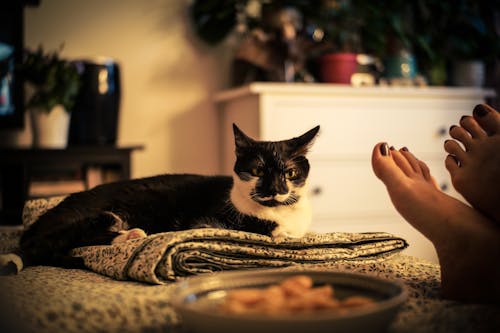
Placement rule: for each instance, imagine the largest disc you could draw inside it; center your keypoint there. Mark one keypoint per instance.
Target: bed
(127, 287)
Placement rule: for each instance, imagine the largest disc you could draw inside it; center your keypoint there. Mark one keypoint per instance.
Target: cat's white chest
(293, 221)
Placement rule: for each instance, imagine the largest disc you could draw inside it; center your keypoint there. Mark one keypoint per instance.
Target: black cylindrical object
(94, 119)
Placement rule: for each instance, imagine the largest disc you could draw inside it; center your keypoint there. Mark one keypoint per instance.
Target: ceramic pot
(338, 67)
(50, 129)
(468, 73)
(401, 65)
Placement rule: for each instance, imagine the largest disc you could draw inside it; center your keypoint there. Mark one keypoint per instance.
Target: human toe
(488, 118)
(452, 164)
(380, 157)
(405, 162)
(383, 163)
(452, 147)
(472, 126)
(412, 160)
(460, 134)
(425, 171)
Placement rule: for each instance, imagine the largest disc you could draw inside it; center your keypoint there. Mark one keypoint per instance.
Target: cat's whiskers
(234, 215)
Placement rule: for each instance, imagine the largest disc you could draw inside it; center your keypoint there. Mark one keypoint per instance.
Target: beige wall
(168, 75)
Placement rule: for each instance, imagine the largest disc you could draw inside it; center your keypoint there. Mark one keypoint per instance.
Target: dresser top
(342, 90)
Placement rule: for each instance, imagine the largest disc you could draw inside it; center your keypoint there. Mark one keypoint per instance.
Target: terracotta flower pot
(338, 67)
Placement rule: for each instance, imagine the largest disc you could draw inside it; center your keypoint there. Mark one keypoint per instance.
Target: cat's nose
(279, 189)
(283, 190)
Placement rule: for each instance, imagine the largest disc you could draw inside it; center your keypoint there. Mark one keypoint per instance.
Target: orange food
(294, 295)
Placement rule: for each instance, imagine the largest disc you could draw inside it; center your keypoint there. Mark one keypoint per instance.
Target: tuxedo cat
(267, 194)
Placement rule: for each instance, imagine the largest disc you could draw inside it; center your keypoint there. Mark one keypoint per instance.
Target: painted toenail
(392, 148)
(463, 118)
(452, 127)
(384, 149)
(455, 159)
(480, 110)
(404, 149)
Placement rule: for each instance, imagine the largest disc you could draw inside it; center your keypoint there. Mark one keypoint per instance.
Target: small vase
(50, 129)
(401, 65)
(338, 67)
(468, 73)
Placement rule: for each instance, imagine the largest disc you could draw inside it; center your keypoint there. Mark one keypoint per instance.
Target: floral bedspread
(51, 299)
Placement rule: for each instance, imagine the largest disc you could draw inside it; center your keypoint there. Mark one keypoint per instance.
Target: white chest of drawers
(346, 195)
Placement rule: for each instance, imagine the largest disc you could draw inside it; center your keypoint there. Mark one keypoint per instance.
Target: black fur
(166, 203)
(155, 204)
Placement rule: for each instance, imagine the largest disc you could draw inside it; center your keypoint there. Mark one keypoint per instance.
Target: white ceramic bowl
(196, 299)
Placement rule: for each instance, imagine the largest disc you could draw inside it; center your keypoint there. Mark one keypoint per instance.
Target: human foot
(475, 170)
(467, 242)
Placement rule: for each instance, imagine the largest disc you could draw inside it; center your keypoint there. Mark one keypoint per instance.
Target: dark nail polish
(480, 110)
(404, 149)
(456, 159)
(392, 148)
(452, 127)
(462, 118)
(384, 149)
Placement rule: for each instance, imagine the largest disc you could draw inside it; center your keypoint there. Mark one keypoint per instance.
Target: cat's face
(273, 173)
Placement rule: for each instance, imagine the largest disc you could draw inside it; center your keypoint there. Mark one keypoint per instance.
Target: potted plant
(388, 33)
(472, 41)
(51, 85)
(463, 35)
(341, 24)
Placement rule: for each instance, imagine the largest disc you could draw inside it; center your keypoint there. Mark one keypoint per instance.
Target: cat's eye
(257, 172)
(290, 173)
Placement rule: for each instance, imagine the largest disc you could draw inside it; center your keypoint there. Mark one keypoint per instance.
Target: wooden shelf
(26, 173)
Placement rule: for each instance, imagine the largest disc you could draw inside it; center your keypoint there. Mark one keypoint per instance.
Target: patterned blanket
(164, 257)
(50, 299)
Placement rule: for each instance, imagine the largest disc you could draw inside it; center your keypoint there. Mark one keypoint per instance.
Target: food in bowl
(293, 295)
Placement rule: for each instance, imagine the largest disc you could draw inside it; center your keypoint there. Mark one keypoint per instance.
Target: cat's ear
(241, 140)
(300, 145)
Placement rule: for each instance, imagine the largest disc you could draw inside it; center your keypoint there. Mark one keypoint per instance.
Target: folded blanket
(164, 257)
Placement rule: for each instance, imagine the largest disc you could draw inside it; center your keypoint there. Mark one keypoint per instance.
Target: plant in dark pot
(388, 33)
(51, 85)
(341, 24)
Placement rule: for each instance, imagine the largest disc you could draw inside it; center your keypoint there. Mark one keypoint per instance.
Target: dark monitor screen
(11, 49)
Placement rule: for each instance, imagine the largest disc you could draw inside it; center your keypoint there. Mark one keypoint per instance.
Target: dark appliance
(94, 118)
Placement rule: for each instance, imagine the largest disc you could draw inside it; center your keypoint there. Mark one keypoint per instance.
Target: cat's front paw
(10, 264)
(126, 235)
(283, 233)
(280, 233)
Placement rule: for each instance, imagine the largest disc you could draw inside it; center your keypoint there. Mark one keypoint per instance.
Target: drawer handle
(317, 190)
(442, 131)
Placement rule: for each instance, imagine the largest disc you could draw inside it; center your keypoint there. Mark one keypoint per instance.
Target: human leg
(466, 241)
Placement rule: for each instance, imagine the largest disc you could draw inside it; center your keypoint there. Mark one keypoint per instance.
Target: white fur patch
(293, 220)
(5, 259)
(126, 235)
(119, 224)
